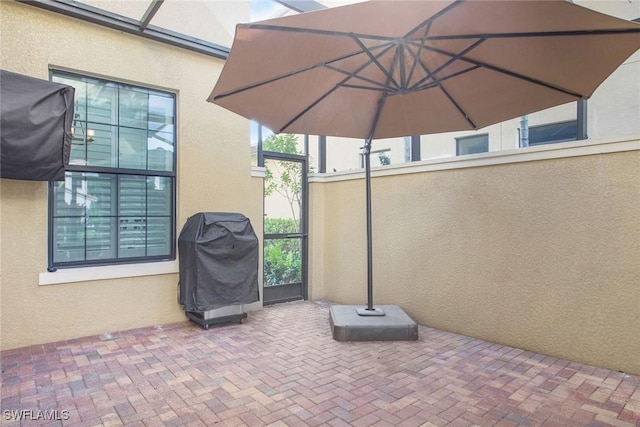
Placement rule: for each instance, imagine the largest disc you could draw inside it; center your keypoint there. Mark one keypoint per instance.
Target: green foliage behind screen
(282, 257)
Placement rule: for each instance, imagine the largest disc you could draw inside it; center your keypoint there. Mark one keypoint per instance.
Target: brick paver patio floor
(281, 367)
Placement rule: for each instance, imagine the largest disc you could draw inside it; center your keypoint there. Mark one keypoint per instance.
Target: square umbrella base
(393, 325)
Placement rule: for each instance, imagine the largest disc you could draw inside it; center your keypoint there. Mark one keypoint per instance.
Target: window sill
(86, 274)
(258, 171)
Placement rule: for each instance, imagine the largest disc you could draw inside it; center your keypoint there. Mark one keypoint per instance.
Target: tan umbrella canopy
(383, 69)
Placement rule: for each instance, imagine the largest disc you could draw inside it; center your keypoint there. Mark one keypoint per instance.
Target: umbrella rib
(350, 74)
(374, 89)
(376, 118)
(375, 60)
(539, 34)
(303, 112)
(453, 101)
(284, 76)
(445, 37)
(355, 76)
(401, 64)
(451, 76)
(447, 63)
(424, 67)
(330, 91)
(314, 31)
(426, 24)
(429, 20)
(455, 104)
(416, 56)
(510, 73)
(397, 61)
(432, 18)
(448, 95)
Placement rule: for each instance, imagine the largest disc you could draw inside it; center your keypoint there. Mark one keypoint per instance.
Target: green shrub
(282, 257)
(280, 226)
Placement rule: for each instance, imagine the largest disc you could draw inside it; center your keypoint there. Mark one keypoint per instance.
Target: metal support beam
(322, 154)
(301, 6)
(260, 151)
(581, 120)
(367, 179)
(150, 13)
(415, 148)
(122, 23)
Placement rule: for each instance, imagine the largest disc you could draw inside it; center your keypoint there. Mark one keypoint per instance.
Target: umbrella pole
(369, 310)
(367, 178)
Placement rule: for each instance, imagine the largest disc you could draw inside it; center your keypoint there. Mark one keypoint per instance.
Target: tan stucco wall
(541, 255)
(213, 175)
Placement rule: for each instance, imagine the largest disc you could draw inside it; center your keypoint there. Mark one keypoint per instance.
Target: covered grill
(218, 267)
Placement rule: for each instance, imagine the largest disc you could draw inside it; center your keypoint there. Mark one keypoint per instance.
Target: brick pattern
(281, 367)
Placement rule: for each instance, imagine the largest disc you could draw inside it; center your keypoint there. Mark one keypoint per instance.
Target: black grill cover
(35, 127)
(218, 261)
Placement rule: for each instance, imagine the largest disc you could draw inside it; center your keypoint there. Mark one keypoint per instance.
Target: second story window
(472, 144)
(554, 132)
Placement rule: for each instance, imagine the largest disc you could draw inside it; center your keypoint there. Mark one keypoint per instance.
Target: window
(472, 144)
(117, 202)
(552, 133)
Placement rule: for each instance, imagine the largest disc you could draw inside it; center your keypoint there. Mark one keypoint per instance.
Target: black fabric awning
(35, 127)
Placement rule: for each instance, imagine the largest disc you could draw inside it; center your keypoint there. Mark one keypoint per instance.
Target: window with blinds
(117, 202)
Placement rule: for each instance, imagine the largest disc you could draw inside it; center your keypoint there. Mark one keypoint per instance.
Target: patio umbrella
(383, 69)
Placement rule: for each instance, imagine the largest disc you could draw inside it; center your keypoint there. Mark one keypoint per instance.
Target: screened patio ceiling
(204, 26)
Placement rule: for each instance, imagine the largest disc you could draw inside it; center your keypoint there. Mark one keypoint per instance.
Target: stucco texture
(213, 175)
(541, 255)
